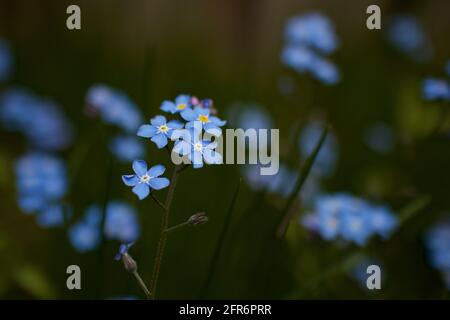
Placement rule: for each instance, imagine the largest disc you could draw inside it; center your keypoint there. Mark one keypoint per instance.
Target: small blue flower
(384, 222)
(127, 148)
(6, 61)
(144, 180)
(85, 235)
(196, 150)
(51, 216)
(123, 249)
(182, 102)
(314, 30)
(325, 71)
(41, 181)
(299, 58)
(200, 118)
(436, 89)
(356, 224)
(407, 35)
(114, 107)
(159, 130)
(121, 222)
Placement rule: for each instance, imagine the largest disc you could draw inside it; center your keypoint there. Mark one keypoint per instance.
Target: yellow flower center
(145, 178)
(163, 128)
(181, 106)
(203, 118)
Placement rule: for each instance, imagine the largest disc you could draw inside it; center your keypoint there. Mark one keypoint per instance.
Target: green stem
(159, 203)
(177, 226)
(142, 284)
(163, 233)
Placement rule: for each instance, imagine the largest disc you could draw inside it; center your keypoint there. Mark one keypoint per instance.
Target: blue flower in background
(41, 180)
(308, 38)
(114, 107)
(406, 34)
(436, 89)
(350, 218)
(196, 150)
(121, 222)
(126, 148)
(41, 121)
(326, 160)
(438, 244)
(182, 102)
(380, 138)
(159, 130)
(51, 216)
(85, 235)
(314, 30)
(144, 180)
(6, 61)
(201, 118)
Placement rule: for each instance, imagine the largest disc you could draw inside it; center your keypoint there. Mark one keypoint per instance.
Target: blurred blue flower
(308, 38)
(159, 130)
(325, 163)
(406, 34)
(438, 244)
(41, 180)
(144, 180)
(41, 121)
(114, 107)
(6, 61)
(314, 30)
(51, 216)
(380, 138)
(350, 218)
(200, 118)
(182, 102)
(85, 235)
(196, 150)
(121, 222)
(126, 148)
(436, 89)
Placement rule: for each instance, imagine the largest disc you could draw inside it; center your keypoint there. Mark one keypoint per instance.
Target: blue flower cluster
(407, 35)
(41, 185)
(6, 61)
(39, 120)
(438, 244)
(437, 89)
(350, 218)
(121, 223)
(309, 39)
(115, 108)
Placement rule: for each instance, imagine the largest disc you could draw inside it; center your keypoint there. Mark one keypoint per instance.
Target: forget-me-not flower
(126, 148)
(201, 117)
(159, 130)
(182, 102)
(121, 222)
(85, 235)
(438, 244)
(436, 89)
(145, 179)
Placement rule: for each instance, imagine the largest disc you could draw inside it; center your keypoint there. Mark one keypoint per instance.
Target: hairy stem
(142, 284)
(177, 226)
(163, 233)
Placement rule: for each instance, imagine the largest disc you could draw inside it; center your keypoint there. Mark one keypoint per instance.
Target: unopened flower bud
(198, 219)
(129, 263)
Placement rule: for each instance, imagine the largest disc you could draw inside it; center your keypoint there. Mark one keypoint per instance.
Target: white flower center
(198, 146)
(145, 178)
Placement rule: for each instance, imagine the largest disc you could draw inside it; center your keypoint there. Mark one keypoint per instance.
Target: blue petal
(160, 140)
(147, 131)
(212, 157)
(182, 147)
(212, 129)
(158, 120)
(201, 111)
(159, 183)
(188, 114)
(168, 106)
(182, 98)
(156, 171)
(140, 167)
(217, 121)
(142, 190)
(175, 124)
(130, 180)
